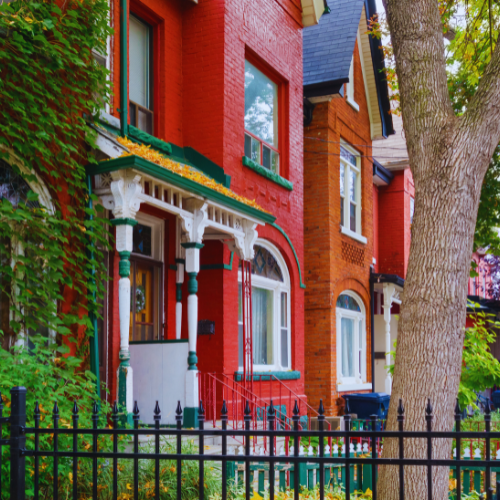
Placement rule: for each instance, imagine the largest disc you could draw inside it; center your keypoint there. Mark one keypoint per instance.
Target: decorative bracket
(244, 245)
(124, 199)
(194, 226)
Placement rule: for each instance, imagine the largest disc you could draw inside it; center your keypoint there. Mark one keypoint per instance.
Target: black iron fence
(91, 460)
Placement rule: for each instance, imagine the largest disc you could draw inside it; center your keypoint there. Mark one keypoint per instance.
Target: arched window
(351, 341)
(15, 190)
(270, 310)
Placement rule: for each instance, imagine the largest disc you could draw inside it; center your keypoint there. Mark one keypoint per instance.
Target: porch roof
(162, 174)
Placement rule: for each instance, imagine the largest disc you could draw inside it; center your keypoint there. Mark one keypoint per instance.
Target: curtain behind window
(262, 319)
(347, 330)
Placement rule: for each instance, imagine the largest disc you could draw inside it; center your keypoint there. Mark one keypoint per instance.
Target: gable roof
(328, 51)
(328, 48)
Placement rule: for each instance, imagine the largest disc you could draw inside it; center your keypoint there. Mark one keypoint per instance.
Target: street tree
(450, 149)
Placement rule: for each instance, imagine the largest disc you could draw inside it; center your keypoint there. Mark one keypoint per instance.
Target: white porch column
(192, 395)
(389, 292)
(124, 203)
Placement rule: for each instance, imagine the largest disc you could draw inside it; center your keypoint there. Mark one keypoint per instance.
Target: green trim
(93, 339)
(199, 246)
(173, 267)
(207, 166)
(280, 375)
(190, 420)
(124, 67)
(124, 264)
(192, 283)
(293, 250)
(180, 261)
(192, 360)
(267, 173)
(123, 222)
(144, 137)
(226, 267)
(165, 341)
(178, 292)
(161, 173)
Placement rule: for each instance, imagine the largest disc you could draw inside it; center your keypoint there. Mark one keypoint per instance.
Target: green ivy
(51, 262)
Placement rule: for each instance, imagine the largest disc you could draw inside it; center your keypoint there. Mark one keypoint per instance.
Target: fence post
(18, 443)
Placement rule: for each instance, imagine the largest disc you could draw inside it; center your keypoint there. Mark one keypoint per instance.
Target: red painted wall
(394, 224)
(199, 76)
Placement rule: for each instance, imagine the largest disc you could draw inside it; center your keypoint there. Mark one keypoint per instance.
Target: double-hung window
(141, 74)
(261, 119)
(270, 311)
(350, 193)
(351, 342)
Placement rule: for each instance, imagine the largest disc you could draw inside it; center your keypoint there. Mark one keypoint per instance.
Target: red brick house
(346, 108)
(215, 90)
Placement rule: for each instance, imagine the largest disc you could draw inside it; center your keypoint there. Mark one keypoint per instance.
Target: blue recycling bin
(366, 405)
(495, 399)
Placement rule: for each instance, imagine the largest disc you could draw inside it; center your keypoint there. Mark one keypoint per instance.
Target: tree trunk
(449, 156)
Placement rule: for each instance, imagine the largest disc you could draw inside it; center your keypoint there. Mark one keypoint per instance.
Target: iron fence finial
(37, 407)
(115, 408)
(458, 413)
(271, 412)
(55, 411)
(428, 408)
(487, 407)
(223, 411)
(201, 409)
(136, 409)
(178, 410)
(157, 411)
(321, 409)
(95, 409)
(75, 409)
(401, 408)
(296, 410)
(247, 409)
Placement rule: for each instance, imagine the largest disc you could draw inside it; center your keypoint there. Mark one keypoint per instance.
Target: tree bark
(449, 156)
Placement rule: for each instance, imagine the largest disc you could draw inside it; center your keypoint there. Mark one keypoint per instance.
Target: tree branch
(481, 121)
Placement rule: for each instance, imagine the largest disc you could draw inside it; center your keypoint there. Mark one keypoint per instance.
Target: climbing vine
(51, 239)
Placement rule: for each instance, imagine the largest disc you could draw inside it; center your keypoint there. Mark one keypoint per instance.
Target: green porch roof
(152, 169)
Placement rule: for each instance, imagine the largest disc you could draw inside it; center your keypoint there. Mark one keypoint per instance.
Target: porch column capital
(124, 199)
(194, 226)
(244, 245)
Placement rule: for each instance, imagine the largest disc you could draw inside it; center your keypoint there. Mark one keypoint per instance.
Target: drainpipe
(94, 346)
(372, 327)
(124, 68)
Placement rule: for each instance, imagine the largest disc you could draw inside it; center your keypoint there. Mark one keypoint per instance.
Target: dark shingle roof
(329, 45)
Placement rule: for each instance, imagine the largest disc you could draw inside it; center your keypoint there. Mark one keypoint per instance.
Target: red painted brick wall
(328, 269)
(201, 84)
(394, 224)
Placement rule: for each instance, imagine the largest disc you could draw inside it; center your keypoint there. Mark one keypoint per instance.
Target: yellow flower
(183, 170)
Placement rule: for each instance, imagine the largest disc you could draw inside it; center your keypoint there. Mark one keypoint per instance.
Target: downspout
(124, 68)
(372, 326)
(94, 345)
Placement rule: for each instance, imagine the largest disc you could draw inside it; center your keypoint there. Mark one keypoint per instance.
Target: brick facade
(199, 62)
(334, 262)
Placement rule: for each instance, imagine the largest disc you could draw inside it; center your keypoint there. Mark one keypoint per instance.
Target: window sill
(267, 173)
(261, 376)
(353, 235)
(352, 103)
(354, 387)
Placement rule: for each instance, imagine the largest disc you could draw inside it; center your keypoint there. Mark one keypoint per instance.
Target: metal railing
(351, 468)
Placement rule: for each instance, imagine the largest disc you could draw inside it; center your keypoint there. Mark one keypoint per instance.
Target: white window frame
(106, 56)
(17, 247)
(277, 288)
(345, 224)
(156, 226)
(349, 88)
(359, 381)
